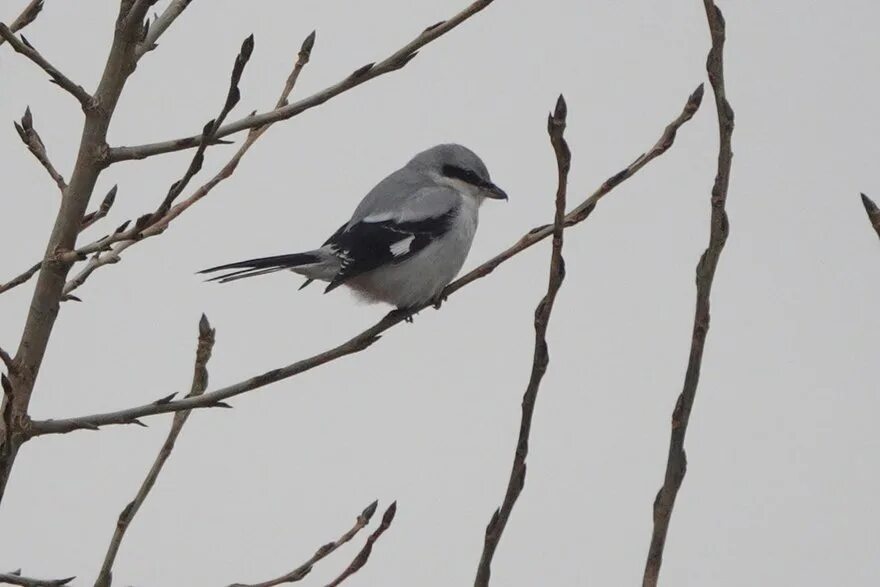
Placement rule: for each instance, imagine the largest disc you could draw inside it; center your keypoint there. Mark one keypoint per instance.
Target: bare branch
(22, 46)
(556, 129)
(7, 359)
(873, 212)
(44, 306)
(31, 138)
(107, 203)
(676, 464)
(109, 248)
(27, 274)
(198, 387)
(160, 25)
(395, 61)
(27, 16)
(299, 573)
(15, 578)
(364, 555)
(370, 335)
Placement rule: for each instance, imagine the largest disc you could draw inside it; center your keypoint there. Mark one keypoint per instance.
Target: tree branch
(27, 16)
(15, 578)
(198, 387)
(159, 26)
(299, 573)
(53, 272)
(7, 359)
(556, 128)
(22, 278)
(102, 211)
(364, 555)
(371, 335)
(873, 212)
(110, 247)
(22, 46)
(31, 138)
(676, 464)
(395, 61)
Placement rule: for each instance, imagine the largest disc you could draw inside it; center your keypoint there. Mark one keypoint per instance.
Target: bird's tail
(313, 264)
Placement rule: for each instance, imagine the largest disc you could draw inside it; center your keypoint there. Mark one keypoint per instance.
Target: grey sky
(783, 444)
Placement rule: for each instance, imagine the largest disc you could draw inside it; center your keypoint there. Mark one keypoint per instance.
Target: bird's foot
(438, 301)
(406, 313)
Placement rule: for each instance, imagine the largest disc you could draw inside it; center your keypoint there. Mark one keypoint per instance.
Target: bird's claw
(438, 301)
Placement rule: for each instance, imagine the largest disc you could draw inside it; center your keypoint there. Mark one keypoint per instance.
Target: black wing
(369, 245)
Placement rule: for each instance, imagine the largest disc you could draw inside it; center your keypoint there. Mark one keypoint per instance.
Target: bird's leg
(405, 312)
(438, 300)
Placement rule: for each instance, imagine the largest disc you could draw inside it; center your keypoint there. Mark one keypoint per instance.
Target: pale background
(783, 446)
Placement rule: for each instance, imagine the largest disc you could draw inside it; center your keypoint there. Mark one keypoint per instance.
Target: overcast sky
(783, 445)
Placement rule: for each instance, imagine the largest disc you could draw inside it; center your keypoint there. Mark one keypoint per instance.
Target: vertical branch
(53, 270)
(199, 385)
(676, 465)
(556, 128)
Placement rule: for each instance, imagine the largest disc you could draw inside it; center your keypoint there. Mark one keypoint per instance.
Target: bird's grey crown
(450, 154)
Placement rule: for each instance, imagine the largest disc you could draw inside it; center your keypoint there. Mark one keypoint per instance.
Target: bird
(406, 240)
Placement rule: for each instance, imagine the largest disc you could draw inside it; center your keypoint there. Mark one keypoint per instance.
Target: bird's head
(459, 168)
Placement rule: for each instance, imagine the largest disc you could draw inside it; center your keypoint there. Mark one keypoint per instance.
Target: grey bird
(407, 239)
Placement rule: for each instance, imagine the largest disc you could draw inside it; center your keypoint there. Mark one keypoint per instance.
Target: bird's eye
(466, 175)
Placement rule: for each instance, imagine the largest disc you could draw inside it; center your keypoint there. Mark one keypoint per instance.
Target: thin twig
(395, 61)
(22, 278)
(160, 25)
(25, 48)
(15, 578)
(31, 138)
(371, 335)
(494, 530)
(107, 203)
(198, 387)
(873, 212)
(27, 16)
(110, 247)
(364, 555)
(676, 464)
(7, 359)
(299, 573)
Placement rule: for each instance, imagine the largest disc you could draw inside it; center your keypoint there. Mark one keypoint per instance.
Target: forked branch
(300, 572)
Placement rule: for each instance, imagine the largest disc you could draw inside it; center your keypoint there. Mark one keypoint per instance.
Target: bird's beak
(493, 191)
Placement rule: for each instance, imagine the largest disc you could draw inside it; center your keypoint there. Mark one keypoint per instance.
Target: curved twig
(495, 528)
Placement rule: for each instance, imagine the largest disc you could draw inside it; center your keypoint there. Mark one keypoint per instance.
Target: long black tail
(254, 267)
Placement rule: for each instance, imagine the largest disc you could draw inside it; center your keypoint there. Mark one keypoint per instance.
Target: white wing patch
(401, 247)
(378, 217)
